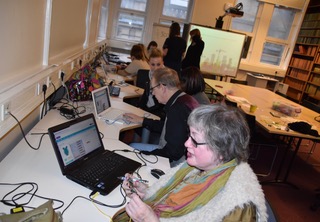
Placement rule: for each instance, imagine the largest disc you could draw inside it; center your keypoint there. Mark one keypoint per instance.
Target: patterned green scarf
(178, 198)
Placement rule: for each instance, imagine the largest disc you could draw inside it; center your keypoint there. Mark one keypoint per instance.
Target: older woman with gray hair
(214, 184)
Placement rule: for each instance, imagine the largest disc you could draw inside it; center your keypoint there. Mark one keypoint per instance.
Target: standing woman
(174, 48)
(194, 51)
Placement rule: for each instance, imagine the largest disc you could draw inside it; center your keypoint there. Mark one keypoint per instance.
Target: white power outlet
(48, 81)
(5, 109)
(72, 65)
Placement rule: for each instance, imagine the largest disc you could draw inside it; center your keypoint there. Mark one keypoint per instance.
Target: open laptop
(82, 157)
(102, 106)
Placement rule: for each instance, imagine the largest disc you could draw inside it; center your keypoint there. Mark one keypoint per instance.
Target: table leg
(277, 179)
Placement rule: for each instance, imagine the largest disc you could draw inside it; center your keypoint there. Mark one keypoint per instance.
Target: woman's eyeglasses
(195, 143)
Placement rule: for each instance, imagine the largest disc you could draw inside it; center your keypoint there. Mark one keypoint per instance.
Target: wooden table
(264, 99)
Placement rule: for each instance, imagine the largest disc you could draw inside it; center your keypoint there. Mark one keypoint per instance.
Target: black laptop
(83, 159)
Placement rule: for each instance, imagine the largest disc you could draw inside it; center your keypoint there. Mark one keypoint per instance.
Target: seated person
(137, 56)
(214, 184)
(149, 102)
(178, 105)
(192, 83)
(152, 45)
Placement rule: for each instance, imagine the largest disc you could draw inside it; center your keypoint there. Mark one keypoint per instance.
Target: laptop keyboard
(98, 170)
(113, 114)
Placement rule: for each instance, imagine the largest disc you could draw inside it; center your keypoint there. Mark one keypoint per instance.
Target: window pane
(246, 22)
(130, 27)
(281, 22)
(272, 53)
(138, 5)
(176, 8)
(103, 22)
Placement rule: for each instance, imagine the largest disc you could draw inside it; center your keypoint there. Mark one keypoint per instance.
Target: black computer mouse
(157, 173)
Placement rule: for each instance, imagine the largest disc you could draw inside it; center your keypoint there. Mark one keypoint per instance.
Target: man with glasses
(165, 87)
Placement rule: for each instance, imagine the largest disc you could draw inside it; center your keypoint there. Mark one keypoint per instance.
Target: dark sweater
(177, 114)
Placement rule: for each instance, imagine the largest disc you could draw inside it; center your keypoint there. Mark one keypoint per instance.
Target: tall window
(176, 8)
(131, 20)
(246, 23)
(278, 33)
(103, 20)
(270, 27)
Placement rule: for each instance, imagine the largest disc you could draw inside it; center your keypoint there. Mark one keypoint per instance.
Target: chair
(209, 91)
(237, 81)
(142, 78)
(281, 94)
(259, 141)
(271, 215)
(230, 103)
(315, 108)
(310, 105)
(316, 204)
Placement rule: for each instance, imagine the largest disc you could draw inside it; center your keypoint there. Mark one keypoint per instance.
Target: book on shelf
(302, 49)
(296, 84)
(315, 79)
(317, 60)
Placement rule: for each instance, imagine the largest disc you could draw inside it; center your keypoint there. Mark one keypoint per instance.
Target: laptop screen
(77, 140)
(101, 99)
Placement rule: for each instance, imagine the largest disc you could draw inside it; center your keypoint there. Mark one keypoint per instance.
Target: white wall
(22, 63)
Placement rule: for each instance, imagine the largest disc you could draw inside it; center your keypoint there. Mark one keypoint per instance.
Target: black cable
(51, 101)
(141, 157)
(73, 201)
(24, 135)
(44, 107)
(98, 202)
(32, 192)
(70, 111)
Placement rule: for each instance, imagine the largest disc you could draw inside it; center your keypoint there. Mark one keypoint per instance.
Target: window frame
(253, 60)
(153, 16)
(120, 10)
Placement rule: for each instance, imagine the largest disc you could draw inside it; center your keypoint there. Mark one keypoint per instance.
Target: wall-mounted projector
(235, 11)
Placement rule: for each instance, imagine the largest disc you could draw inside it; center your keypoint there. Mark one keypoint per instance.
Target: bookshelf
(303, 73)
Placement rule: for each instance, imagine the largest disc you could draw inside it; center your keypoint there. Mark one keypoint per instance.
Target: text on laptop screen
(77, 140)
(101, 100)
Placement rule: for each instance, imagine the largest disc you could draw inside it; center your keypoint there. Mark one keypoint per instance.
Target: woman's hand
(133, 118)
(139, 211)
(131, 187)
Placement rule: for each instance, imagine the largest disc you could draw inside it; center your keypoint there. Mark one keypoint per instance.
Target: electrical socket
(38, 89)
(5, 109)
(39, 86)
(72, 65)
(59, 73)
(48, 81)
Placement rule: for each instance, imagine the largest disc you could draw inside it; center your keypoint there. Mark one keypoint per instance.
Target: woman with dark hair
(152, 45)
(174, 48)
(192, 83)
(215, 183)
(194, 51)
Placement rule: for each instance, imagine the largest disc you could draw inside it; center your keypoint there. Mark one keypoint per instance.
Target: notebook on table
(102, 106)
(83, 158)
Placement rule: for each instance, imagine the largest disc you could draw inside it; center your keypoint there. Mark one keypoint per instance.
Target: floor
(291, 204)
